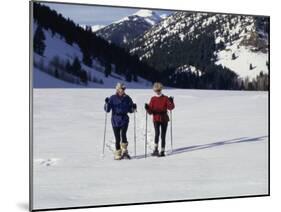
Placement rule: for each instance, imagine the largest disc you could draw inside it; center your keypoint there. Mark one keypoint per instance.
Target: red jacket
(158, 106)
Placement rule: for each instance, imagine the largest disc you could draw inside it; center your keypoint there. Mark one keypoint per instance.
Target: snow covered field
(220, 149)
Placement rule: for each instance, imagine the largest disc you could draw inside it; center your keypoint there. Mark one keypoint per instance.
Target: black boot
(162, 154)
(155, 152)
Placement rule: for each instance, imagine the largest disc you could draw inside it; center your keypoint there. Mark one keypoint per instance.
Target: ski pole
(171, 128)
(145, 134)
(105, 122)
(135, 139)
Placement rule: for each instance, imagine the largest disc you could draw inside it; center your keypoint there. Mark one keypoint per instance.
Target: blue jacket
(120, 106)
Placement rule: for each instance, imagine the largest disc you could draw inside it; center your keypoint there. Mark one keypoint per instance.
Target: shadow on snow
(206, 146)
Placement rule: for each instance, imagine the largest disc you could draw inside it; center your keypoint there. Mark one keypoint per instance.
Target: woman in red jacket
(158, 106)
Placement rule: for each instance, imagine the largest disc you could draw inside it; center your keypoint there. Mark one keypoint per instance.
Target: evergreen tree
(56, 73)
(135, 77)
(83, 76)
(68, 67)
(107, 70)
(87, 59)
(76, 65)
(251, 66)
(128, 76)
(242, 87)
(38, 41)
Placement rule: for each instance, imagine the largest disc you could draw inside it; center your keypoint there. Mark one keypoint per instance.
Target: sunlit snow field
(220, 149)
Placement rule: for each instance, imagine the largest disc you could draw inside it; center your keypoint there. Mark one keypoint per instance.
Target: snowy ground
(220, 149)
(245, 57)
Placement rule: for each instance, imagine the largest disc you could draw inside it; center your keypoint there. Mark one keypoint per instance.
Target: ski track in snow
(220, 148)
(46, 162)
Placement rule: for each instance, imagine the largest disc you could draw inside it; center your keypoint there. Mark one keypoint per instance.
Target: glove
(134, 106)
(171, 99)
(106, 100)
(146, 106)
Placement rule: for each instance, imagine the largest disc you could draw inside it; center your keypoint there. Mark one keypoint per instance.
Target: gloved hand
(171, 99)
(106, 100)
(134, 106)
(146, 106)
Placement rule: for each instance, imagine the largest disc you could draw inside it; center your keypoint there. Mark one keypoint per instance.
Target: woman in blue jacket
(120, 104)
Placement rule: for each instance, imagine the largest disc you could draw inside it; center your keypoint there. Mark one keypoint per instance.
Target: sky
(94, 15)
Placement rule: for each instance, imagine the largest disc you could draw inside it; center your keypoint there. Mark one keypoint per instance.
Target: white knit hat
(120, 85)
(157, 86)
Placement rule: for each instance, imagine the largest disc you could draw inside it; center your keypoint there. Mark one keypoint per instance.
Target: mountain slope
(123, 31)
(184, 50)
(57, 53)
(201, 39)
(68, 52)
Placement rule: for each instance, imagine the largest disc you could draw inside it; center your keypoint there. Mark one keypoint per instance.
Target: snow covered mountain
(58, 53)
(237, 42)
(183, 50)
(123, 31)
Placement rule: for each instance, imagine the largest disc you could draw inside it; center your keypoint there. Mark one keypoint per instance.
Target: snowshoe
(162, 154)
(126, 156)
(155, 152)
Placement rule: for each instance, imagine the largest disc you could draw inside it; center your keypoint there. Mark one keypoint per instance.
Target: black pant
(163, 126)
(120, 134)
